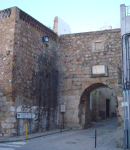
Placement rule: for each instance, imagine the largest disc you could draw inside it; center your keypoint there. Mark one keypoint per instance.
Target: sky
(80, 15)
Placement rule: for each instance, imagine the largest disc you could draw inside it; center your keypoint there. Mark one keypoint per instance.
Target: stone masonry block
(5, 103)
(1, 114)
(11, 108)
(24, 40)
(11, 125)
(4, 125)
(19, 108)
(7, 125)
(120, 99)
(3, 108)
(5, 135)
(11, 119)
(8, 114)
(0, 103)
(3, 99)
(13, 131)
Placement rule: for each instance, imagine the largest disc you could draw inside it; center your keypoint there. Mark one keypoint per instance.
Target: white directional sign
(23, 115)
(124, 104)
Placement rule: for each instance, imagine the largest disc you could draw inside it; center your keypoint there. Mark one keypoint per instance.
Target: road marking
(11, 144)
(6, 149)
(17, 143)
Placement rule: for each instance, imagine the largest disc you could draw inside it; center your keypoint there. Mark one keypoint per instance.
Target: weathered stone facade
(79, 53)
(29, 73)
(7, 112)
(37, 77)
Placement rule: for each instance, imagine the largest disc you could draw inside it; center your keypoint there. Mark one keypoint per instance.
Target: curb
(5, 141)
(108, 119)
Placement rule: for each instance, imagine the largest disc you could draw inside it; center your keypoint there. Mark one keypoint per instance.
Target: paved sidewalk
(30, 136)
(108, 137)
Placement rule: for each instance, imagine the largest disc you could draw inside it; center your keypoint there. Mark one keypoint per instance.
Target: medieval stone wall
(30, 71)
(79, 52)
(7, 114)
(35, 74)
(34, 70)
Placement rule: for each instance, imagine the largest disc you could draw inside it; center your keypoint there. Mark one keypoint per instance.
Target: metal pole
(18, 127)
(128, 119)
(95, 137)
(26, 131)
(61, 129)
(63, 120)
(30, 126)
(127, 116)
(125, 121)
(126, 87)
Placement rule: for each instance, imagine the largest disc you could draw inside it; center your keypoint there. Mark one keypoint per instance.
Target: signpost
(24, 115)
(62, 110)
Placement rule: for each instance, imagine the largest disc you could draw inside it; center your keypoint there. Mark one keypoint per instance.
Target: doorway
(96, 103)
(107, 108)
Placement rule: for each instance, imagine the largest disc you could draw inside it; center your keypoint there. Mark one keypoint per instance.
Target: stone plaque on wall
(99, 70)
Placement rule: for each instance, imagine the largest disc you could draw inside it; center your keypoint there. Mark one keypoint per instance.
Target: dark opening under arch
(85, 113)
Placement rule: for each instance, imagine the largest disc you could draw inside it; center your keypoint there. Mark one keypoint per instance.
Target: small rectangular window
(98, 46)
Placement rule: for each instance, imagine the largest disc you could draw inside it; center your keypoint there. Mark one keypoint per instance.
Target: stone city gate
(31, 68)
(81, 53)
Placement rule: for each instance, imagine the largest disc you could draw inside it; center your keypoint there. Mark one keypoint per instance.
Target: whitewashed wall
(61, 27)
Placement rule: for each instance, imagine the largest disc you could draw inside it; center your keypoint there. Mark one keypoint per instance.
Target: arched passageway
(86, 113)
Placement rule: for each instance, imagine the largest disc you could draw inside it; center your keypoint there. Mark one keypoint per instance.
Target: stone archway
(85, 114)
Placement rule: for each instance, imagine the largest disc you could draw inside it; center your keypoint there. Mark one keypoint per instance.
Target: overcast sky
(81, 15)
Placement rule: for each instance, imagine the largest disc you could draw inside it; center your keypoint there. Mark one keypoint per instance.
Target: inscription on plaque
(100, 69)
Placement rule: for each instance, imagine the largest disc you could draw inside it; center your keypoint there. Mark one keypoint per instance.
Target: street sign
(124, 104)
(25, 115)
(62, 108)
